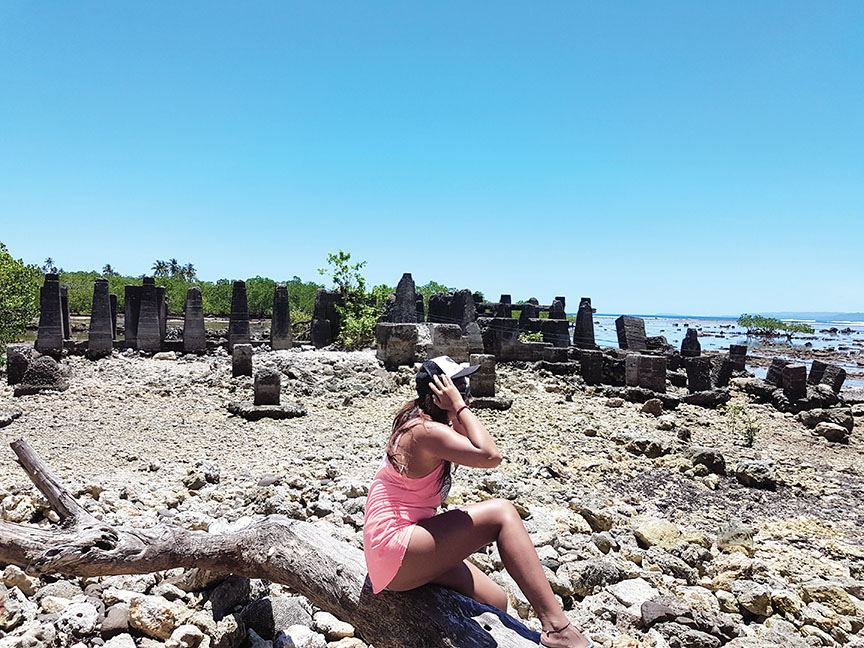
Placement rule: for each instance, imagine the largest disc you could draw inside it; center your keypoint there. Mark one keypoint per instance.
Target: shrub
(531, 337)
(770, 327)
(19, 297)
(742, 422)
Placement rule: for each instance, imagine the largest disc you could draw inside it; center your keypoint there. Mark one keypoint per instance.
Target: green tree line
(216, 296)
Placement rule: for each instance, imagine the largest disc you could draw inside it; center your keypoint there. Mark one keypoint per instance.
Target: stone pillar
(631, 369)
(131, 307)
(591, 366)
(100, 339)
(238, 325)
(529, 310)
(583, 334)
(162, 309)
(556, 331)
(405, 309)
(396, 344)
(113, 300)
(268, 384)
(775, 372)
(738, 356)
(64, 312)
(194, 337)
(462, 309)
(698, 373)
(280, 326)
(482, 381)
(421, 307)
(690, 346)
(631, 333)
(795, 381)
(325, 318)
(556, 310)
(241, 360)
(504, 307)
(834, 377)
(652, 373)
(147, 335)
(721, 370)
(817, 370)
(49, 339)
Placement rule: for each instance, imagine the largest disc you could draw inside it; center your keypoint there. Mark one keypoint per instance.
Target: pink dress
(393, 507)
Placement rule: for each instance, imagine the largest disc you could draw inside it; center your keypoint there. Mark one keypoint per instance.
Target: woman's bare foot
(566, 637)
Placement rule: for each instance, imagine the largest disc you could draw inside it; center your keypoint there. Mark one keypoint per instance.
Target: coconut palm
(160, 269)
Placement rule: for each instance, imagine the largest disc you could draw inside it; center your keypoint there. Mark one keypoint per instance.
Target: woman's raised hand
(445, 394)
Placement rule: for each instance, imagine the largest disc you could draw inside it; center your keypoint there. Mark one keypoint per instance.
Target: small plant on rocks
(742, 422)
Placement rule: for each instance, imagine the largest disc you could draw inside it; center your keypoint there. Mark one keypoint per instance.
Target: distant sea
(716, 333)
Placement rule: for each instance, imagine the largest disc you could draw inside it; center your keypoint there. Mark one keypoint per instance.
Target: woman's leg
(440, 544)
(466, 579)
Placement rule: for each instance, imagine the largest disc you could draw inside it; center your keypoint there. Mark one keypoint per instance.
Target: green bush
(19, 297)
(742, 423)
(531, 337)
(770, 327)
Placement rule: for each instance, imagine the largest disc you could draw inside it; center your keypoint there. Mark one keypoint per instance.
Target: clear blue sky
(696, 157)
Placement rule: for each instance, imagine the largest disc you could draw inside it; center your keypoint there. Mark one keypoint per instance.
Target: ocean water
(716, 334)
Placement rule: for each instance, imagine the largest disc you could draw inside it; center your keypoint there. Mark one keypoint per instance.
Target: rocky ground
(731, 545)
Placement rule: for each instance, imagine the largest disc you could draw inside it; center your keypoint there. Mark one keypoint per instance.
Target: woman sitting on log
(407, 545)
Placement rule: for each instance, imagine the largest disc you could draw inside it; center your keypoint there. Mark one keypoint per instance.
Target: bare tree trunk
(300, 555)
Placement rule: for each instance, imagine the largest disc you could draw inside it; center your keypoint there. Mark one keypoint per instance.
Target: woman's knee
(503, 511)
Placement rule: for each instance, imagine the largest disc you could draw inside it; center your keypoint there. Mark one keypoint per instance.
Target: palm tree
(189, 272)
(108, 271)
(174, 267)
(49, 266)
(160, 269)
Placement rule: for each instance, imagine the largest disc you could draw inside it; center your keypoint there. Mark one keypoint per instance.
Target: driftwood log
(300, 555)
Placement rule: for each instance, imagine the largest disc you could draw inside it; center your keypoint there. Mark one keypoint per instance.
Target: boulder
(657, 532)
(756, 474)
(833, 432)
(711, 458)
(43, 374)
(842, 416)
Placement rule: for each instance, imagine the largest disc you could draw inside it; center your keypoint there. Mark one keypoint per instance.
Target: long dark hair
(424, 408)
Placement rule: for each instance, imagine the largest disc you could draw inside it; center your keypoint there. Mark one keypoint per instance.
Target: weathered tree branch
(300, 555)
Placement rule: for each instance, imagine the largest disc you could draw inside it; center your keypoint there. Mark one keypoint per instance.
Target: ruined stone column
(795, 381)
(652, 373)
(591, 366)
(556, 310)
(100, 340)
(241, 360)
(49, 339)
(64, 312)
(148, 336)
(194, 338)
(775, 372)
(504, 308)
(325, 319)
(131, 306)
(113, 301)
(482, 381)
(405, 309)
(690, 345)
(162, 309)
(583, 333)
(238, 325)
(738, 356)
(421, 307)
(529, 310)
(268, 385)
(698, 373)
(631, 333)
(280, 326)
